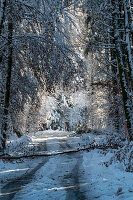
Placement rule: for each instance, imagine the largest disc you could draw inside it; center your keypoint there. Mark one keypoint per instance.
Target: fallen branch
(91, 147)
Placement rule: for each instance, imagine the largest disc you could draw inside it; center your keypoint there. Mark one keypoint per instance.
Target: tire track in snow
(72, 182)
(10, 189)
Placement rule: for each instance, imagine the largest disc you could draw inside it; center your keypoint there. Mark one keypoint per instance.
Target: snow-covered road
(74, 176)
(61, 173)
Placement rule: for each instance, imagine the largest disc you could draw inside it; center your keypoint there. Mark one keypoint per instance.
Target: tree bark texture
(122, 67)
(8, 83)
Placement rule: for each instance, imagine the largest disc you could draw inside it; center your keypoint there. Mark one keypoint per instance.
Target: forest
(67, 65)
(63, 61)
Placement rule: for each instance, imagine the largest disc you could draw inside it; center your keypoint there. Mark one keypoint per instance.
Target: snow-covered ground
(53, 180)
(81, 175)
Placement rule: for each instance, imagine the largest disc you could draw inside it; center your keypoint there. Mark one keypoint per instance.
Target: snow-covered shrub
(125, 156)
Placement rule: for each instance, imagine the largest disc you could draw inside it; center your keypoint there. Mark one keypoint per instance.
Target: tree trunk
(128, 20)
(2, 19)
(114, 84)
(127, 100)
(8, 84)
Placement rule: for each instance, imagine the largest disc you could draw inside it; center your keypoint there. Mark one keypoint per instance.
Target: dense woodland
(65, 64)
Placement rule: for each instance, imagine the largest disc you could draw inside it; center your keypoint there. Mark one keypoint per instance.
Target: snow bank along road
(73, 176)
